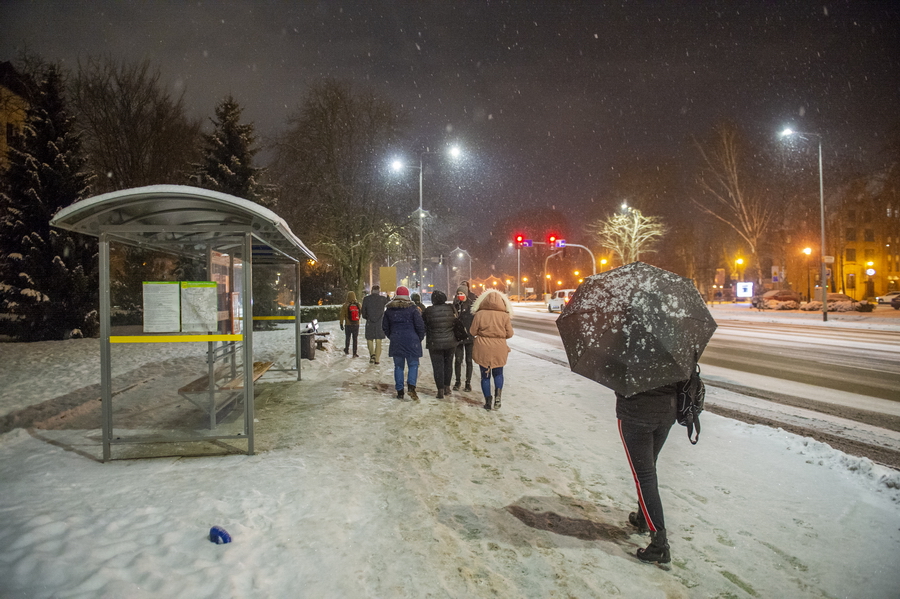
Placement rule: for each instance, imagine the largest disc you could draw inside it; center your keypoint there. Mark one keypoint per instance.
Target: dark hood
(438, 298)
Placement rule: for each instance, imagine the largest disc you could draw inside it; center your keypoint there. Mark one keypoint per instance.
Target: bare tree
(732, 190)
(135, 132)
(629, 233)
(329, 168)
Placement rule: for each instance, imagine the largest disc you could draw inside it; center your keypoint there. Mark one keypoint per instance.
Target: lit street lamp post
(459, 252)
(823, 276)
(807, 251)
(397, 166)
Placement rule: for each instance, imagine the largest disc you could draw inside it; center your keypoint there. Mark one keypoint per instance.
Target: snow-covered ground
(355, 494)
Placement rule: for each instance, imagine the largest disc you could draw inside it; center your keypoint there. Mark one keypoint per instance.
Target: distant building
(864, 231)
(13, 94)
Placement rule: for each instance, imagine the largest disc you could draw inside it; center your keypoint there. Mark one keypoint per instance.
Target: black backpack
(689, 404)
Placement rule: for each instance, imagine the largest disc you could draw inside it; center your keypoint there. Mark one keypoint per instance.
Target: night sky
(550, 98)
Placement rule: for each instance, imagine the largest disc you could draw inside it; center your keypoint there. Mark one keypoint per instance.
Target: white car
(887, 297)
(559, 299)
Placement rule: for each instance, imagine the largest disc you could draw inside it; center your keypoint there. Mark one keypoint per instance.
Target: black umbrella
(635, 328)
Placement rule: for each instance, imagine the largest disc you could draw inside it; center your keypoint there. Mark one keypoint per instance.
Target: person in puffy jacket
(403, 325)
(440, 340)
(491, 327)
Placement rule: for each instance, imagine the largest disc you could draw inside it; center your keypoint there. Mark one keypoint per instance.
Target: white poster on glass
(199, 307)
(162, 307)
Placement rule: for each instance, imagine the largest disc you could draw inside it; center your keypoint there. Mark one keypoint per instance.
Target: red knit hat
(402, 292)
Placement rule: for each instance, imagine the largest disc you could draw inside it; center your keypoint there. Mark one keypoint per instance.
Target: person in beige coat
(491, 327)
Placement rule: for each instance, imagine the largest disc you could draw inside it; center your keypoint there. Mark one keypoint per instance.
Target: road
(838, 385)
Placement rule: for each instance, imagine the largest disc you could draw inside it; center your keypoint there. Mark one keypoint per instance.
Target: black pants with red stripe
(643, 442)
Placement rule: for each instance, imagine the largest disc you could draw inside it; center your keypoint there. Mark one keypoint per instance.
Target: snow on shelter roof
(187, 218)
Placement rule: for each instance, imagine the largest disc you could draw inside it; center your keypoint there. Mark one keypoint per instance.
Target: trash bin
(308, 345)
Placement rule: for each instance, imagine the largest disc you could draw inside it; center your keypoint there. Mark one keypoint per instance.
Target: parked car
(887, 297)
(559, 299)
(895, 302)
(778, 295)
(839, 297)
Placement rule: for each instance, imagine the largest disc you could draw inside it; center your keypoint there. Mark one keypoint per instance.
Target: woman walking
(440, 340)
(491, 327)
(403, 325)
(644, 422)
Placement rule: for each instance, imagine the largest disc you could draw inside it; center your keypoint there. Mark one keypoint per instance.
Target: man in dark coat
(440, 340)
(403, 325)
(462, 303)
(373, 311)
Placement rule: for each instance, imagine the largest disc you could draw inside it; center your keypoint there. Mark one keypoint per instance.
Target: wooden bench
(321, 339)
(206, 395)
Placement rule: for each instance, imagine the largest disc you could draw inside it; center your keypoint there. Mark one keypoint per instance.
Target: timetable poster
(199, 307)
(162, 307)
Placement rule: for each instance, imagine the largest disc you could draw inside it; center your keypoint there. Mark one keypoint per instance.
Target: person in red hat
(403, 325)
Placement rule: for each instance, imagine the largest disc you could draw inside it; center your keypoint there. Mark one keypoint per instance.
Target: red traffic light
(519, 238)
(551, 239)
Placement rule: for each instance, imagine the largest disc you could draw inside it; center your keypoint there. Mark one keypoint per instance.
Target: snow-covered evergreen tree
(227, 162)
(48, 277)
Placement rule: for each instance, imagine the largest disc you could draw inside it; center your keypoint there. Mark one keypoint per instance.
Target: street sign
(560, 243)
(828, 259)
(527, 243)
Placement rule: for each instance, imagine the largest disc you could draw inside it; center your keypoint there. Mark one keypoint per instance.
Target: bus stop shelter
(226, 234)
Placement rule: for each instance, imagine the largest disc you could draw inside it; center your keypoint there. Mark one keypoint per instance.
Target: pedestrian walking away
(349, 322)
(440, 340)
(403, 325)
(491, 327)
(373, 312)
(644, 422)
(462, 303)
(417, 300)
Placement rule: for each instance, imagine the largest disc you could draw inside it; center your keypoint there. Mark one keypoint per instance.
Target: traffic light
(551, 240)
(519, 239)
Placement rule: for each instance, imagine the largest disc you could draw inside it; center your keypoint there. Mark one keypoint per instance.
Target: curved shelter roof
(186, 219)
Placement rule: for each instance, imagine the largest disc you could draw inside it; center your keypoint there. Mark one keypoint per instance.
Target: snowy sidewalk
(357, 494)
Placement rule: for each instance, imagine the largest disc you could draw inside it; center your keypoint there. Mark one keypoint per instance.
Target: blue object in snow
(219, 535)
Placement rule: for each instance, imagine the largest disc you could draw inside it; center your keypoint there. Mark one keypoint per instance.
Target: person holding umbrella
(639, 330)
(491, 327)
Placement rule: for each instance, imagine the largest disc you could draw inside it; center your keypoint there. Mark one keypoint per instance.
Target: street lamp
(459, 252)
(807, 251)
(398, 165)
(823, 274)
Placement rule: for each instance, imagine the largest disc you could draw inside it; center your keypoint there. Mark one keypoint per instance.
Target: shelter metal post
(105, 353)
(247, 302)
(298, 326)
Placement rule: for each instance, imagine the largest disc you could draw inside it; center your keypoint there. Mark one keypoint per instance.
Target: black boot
(468, 387)
(446, 391)
(488, 403)
(399, 393)
(497, 398)
(657, 550)
(637, 520)
(456, 386)
(440, 394)
(411, 389)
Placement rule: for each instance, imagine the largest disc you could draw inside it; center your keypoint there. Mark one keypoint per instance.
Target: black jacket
(464, 310)
(652, 408)
(439, 317)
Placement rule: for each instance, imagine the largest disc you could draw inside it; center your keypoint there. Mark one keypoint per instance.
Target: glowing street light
(398, 165)
(823, 274)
